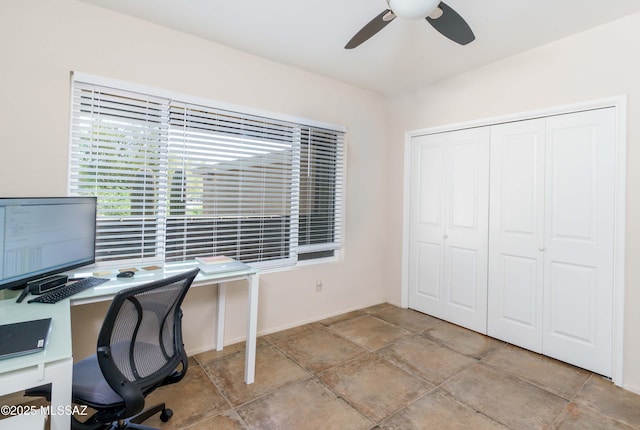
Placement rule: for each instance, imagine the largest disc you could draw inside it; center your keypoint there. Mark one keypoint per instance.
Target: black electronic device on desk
(41, 286)
(126, 274)
(68, 290)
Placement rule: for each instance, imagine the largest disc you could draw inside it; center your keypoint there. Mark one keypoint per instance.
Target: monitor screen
(42, 236)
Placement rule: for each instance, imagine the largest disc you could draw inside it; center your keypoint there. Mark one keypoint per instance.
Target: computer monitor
(42, 236)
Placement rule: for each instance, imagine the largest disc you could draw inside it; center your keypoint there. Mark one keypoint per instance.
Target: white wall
(43, 40)
(599, 63)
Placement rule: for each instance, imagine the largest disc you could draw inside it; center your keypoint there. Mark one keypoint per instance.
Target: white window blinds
(176, 180)
(118, 153)
(231, 188)
(320, 190)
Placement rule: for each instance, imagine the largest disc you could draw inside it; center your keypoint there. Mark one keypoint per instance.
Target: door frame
(619, 103)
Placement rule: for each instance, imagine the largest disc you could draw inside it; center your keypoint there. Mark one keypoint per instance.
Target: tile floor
(389, 368)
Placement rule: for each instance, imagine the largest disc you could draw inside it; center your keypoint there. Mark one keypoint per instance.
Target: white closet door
(579, 233)
(516, 233)
(467, 228)
(426, 225)
(449, 226)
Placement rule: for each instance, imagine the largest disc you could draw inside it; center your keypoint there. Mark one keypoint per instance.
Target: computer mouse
(125, 274)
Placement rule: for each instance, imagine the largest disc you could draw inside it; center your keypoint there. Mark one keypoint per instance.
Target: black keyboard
(68, 290)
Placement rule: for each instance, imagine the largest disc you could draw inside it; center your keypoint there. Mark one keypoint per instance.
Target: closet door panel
(448, 226)
(462, 278)
(516, 233)
(428, 282)
(466, 227)
(426, 242)
(520, 289)
(430, 186)
(573, 298)
(463, 191)
(580, 160)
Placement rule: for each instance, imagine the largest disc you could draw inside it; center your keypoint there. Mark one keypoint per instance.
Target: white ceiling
(404, 56)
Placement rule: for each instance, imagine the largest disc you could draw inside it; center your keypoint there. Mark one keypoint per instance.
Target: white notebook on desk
(220, 264)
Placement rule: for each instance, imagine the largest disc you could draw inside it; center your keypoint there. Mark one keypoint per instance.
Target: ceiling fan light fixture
(413, 9)
(441, 17)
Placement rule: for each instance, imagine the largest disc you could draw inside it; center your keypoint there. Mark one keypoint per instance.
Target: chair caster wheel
(166, 415)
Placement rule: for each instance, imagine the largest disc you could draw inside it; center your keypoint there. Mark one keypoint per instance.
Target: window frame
(340, 165)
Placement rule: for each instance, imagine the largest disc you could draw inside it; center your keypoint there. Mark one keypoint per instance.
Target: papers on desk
(220, 264)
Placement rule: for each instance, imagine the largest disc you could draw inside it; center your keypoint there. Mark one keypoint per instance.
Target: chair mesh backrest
(142, 340)
(145, 336)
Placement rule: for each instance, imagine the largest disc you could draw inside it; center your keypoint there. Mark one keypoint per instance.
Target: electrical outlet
(318, 286)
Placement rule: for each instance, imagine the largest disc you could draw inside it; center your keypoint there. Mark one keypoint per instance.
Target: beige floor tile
(273, 370)
(342, 317)
(418, 355)
(383, 370)
(552, 375)
(189, 405)
(377, 308)
(319, 350)
(369, 332)
(439, 411)
(292, 332)
(462, 340)
(374, 386)
(226, 421)
(409, 319)
(606, 398)
(577, 417)
(305, 405)
(208, 356)
(508, 400)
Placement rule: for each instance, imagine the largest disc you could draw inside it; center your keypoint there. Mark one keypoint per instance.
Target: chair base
(133, 423)
(136, 421)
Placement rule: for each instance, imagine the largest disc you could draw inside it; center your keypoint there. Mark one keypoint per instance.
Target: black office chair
(139, 349)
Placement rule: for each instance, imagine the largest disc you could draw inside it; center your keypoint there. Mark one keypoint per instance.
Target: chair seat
(90, 387)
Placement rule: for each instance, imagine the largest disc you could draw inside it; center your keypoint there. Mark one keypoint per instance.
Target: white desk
(107, 290)
(55, 364)
(23, 422)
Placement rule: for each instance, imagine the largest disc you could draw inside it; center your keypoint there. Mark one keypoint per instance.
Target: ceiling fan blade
(452, 25)
(374, 26)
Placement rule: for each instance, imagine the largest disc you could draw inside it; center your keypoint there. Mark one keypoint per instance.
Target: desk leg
(252, 331)
(222, 300)
(61, 374)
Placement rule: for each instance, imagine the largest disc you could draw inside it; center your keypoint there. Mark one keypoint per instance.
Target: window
(176, 180)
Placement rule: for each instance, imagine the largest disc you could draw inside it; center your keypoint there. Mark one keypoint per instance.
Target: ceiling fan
(437, 13)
